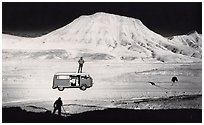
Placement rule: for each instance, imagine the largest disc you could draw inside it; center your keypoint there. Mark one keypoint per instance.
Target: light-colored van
(64, 80)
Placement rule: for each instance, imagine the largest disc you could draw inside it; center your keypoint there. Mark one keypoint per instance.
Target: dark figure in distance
(152, 83)
(174, 79)
(81, 62)
(57, 106)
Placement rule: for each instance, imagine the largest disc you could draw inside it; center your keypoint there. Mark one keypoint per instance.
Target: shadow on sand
(111, 115)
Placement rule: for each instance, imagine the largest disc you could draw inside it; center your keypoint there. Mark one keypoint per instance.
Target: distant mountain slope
(112, 37)
(192, 43)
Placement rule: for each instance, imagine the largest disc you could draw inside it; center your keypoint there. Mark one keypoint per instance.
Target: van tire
(83, 87)
(60, 88)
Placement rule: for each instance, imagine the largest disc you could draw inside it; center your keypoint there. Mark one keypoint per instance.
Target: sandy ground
(28, 83)
(110, 115)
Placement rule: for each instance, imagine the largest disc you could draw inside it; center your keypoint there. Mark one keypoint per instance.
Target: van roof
(70, 73)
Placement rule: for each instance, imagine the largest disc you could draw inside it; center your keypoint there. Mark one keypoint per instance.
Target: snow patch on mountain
(34, 54)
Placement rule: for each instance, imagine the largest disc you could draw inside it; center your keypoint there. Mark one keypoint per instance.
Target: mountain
(104, 36)
(192, 42)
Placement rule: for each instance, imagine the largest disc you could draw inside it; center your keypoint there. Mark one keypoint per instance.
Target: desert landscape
(121, 55)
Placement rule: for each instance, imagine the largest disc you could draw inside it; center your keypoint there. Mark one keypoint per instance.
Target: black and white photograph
(101, 62)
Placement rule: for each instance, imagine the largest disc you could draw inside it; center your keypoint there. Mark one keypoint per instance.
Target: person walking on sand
(81, 62)
(57, 106)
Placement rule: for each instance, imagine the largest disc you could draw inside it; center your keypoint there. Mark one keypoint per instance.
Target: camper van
(64, 80)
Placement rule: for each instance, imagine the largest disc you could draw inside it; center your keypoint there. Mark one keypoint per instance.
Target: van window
(85, 76)
(62, 77)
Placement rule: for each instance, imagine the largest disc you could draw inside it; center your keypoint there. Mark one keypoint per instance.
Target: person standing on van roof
(57, 106)
(81, 62)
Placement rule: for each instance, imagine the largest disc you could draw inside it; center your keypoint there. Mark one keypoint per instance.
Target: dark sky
(34, 19)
